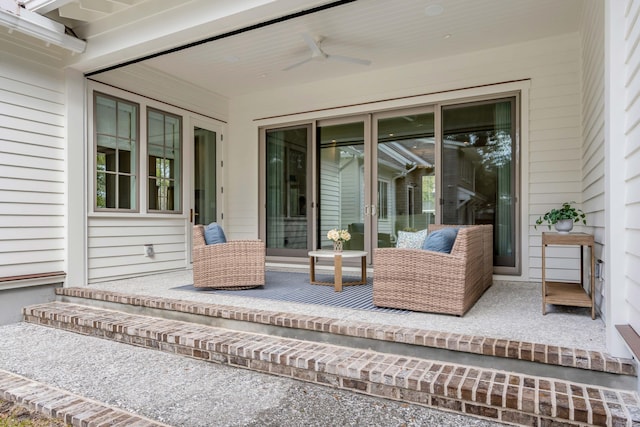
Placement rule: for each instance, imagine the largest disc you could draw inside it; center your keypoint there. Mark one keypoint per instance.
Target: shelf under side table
(566, 293)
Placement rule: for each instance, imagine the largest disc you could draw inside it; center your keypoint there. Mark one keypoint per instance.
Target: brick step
(489, 393)
(572, 364)
(60, 404)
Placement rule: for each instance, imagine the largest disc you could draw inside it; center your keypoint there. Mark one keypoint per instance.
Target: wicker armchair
(420, 280)
(237, 264)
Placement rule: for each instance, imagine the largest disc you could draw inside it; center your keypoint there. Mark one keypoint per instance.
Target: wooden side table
(337, 267)
(567, 293)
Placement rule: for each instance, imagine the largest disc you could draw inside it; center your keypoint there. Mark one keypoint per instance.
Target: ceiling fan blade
(297, 64)
(349, 59)
(313, 46)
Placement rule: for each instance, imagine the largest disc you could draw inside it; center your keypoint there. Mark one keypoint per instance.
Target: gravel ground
(186, 392)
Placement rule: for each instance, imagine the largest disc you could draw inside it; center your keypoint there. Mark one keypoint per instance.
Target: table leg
(544, 284)
(312, 269)
(592, 284)
(363, 269)
(337, 266)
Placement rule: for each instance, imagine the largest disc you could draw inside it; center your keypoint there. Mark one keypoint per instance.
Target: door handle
(373, 210)
(366, 210)
(191, 215)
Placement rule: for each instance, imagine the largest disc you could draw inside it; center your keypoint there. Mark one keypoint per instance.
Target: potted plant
(562, 218)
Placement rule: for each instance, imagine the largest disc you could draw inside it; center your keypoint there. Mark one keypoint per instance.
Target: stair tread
(370, 372)
(71, 407)
(184, 391)
(486, 346)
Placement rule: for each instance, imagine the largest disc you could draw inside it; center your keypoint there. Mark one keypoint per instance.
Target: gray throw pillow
(441, 240)
(409, 240)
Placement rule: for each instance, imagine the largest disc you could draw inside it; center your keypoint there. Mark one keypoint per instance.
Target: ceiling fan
(319, 55)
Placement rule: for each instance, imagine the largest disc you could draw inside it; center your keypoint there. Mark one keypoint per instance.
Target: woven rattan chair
(237, 264)
(420, 280)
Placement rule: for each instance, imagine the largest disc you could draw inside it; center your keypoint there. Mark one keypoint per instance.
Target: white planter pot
(564, 226)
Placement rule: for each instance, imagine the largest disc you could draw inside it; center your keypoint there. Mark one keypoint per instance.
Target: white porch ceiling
(388, 33)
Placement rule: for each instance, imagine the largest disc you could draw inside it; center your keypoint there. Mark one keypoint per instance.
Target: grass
(15, 415)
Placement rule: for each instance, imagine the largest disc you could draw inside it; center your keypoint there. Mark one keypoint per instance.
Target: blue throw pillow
(213, 234)
(441, 240)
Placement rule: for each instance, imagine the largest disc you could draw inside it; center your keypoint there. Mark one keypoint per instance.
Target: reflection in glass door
(479, 150)
(286, 199)
(204, 182)
(342, 183)
(406, 186)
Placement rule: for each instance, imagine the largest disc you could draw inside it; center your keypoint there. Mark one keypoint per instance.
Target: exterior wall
(550, 146)
(593, 159)
(632, 166)
(115, 241)
(622, 169)
(32, 162)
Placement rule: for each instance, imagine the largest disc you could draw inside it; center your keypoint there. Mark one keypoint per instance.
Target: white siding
(116, 246)
(32, 163)
(632, 164)
(593, 157)
(154, 84)
(115, 241)
(551, 149)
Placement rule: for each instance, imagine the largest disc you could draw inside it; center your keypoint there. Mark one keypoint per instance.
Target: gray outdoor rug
(295, 287)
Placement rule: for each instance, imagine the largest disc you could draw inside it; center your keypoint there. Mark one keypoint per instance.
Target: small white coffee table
(337, 267)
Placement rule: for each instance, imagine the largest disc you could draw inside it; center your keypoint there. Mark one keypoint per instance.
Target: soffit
(388, 33)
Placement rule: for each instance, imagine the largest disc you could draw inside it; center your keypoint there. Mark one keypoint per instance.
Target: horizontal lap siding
(592, 149)
(116, 246)
(32, 167)
(554, 153)
(115, 241)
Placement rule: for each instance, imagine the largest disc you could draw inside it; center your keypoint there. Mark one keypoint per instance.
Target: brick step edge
(509, 349)
(497, 395)
(63, 405)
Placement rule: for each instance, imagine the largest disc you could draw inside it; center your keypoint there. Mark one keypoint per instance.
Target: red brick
(511, 398)
(519, 418)
(443, 402)
(355, 384)
(481, 411)
(598, 412)
(563, 409)
(580, 411)
(544, 403)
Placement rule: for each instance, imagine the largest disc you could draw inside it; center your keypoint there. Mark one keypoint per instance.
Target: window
(164, 146)
(116, 136)
(479, 155)
(383, 199)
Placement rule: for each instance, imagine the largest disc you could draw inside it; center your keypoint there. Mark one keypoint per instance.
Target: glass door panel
(478, 154)
(342, 183)
(205, 182)
(406, 185)
(286, 198)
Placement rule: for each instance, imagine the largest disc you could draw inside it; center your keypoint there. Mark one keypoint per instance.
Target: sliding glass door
(286, 164)
(342, 172)
(405, 159)
(478, 151)
(381, 173)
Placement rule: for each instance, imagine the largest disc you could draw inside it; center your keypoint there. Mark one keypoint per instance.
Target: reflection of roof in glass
(415, 152)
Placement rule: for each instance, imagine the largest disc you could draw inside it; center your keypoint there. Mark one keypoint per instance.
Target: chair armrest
(237, 247)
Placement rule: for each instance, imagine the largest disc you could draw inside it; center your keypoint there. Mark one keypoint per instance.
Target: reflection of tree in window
(116, 146)
(164, 147)
(478, 170)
